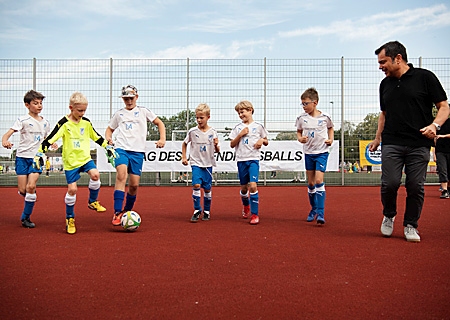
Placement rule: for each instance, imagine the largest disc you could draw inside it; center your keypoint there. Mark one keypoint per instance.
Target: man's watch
(438, 127)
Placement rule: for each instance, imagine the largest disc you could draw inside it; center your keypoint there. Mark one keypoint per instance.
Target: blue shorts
(316, 162)
(248, 171)
(133, 160)
(202, 176)
(24, 166)
(74, 174)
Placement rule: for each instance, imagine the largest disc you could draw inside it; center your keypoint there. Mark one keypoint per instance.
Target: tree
(176, 122)
(367, 129)
(286, 136)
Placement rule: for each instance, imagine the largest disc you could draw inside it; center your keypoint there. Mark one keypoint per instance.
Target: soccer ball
(130, 221)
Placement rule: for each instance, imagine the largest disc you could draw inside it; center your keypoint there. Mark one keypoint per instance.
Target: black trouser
(443, 166)
(415, 161)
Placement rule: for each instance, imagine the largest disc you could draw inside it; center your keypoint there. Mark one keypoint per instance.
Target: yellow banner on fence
(373, 158)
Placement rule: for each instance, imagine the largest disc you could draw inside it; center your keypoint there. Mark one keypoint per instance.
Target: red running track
(283, 268)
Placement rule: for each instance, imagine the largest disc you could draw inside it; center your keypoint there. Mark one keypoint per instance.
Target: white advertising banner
(278, 155)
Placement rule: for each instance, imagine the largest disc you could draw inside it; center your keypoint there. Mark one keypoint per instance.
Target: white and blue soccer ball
(130, 221)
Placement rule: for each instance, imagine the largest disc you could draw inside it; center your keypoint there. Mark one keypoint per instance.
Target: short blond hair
(310, 93)
(203, 107)
(77, 98)
(244, 104)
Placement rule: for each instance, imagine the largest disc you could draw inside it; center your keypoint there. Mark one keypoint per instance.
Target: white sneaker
(387, 226)
(411, 234)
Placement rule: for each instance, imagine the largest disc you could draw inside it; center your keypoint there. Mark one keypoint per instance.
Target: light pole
(332, 110)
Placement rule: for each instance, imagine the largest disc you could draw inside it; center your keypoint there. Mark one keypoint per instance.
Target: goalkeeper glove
(111, 154)
(38, 160)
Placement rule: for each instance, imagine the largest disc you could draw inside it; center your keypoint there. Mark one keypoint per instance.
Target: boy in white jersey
(315, 131)
(76, 132)
(33, 129)
(204, 143)
(248, 137)
(130, 127)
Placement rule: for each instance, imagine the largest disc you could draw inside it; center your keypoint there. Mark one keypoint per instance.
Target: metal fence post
(34, 73)
(342, 122)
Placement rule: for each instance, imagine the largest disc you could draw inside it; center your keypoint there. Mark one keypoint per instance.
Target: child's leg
(196, 196)
(30, 196)
(133, 185)
(22, 181)
(320, 197)
(94, 189)
(254, 198)
(70, 200)
(313, 202)
(119, 192)
(207, 196)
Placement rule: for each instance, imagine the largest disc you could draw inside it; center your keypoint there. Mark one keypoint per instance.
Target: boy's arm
(184, 160)
(162, 133)
(300, 137)
(5, 139)
(330, 139)
(235, 141)
(108, 135)
(216, 145)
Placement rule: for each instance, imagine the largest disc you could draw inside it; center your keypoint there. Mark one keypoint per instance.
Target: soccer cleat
(411, 234)
(444, 194)
(26, 223)
(117, 217)
(387, 226)
(206, 216)
(254, 219)
(96, 206)
(70, 226)
(196, 215)
(246, 212)
(311, 216)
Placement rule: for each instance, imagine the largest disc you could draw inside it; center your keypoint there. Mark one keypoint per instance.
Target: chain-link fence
(348, 90)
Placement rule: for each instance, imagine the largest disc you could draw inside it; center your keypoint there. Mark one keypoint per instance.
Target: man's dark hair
(392, 49)
(31, 95)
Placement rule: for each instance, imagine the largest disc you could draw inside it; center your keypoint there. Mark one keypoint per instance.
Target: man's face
(389, 66)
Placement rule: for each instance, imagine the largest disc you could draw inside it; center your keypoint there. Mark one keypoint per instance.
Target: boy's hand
(373, 146)
(303, 139)
(112, 155)
(38, 161)
(184, 161)
(328, 142)
(7, 145)
(160, 143)
(243, 132)
(258, 144)
(216, 141)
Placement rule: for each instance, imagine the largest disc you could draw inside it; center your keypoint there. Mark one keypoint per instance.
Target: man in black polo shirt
(406, 129)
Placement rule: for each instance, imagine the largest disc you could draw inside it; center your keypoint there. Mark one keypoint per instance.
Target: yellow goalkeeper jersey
(76, 140)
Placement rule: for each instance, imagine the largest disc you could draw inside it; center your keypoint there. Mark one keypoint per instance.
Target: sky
(220, 29)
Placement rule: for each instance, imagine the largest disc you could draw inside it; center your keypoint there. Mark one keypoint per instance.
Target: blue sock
(254, 202)
(130, 202)
(118, 200)
(245, 200)
(70, 212)
(207, 201)
(312, 198)
(93, 195)
(320, 199)
(196, 198)
(30, 200)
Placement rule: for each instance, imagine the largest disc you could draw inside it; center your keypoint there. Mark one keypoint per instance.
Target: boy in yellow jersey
(76, 131)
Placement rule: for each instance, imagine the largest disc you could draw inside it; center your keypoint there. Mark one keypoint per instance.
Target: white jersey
(316, 129)
(245, 149)
(131, 125)
(201, 151)
(32, 133)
